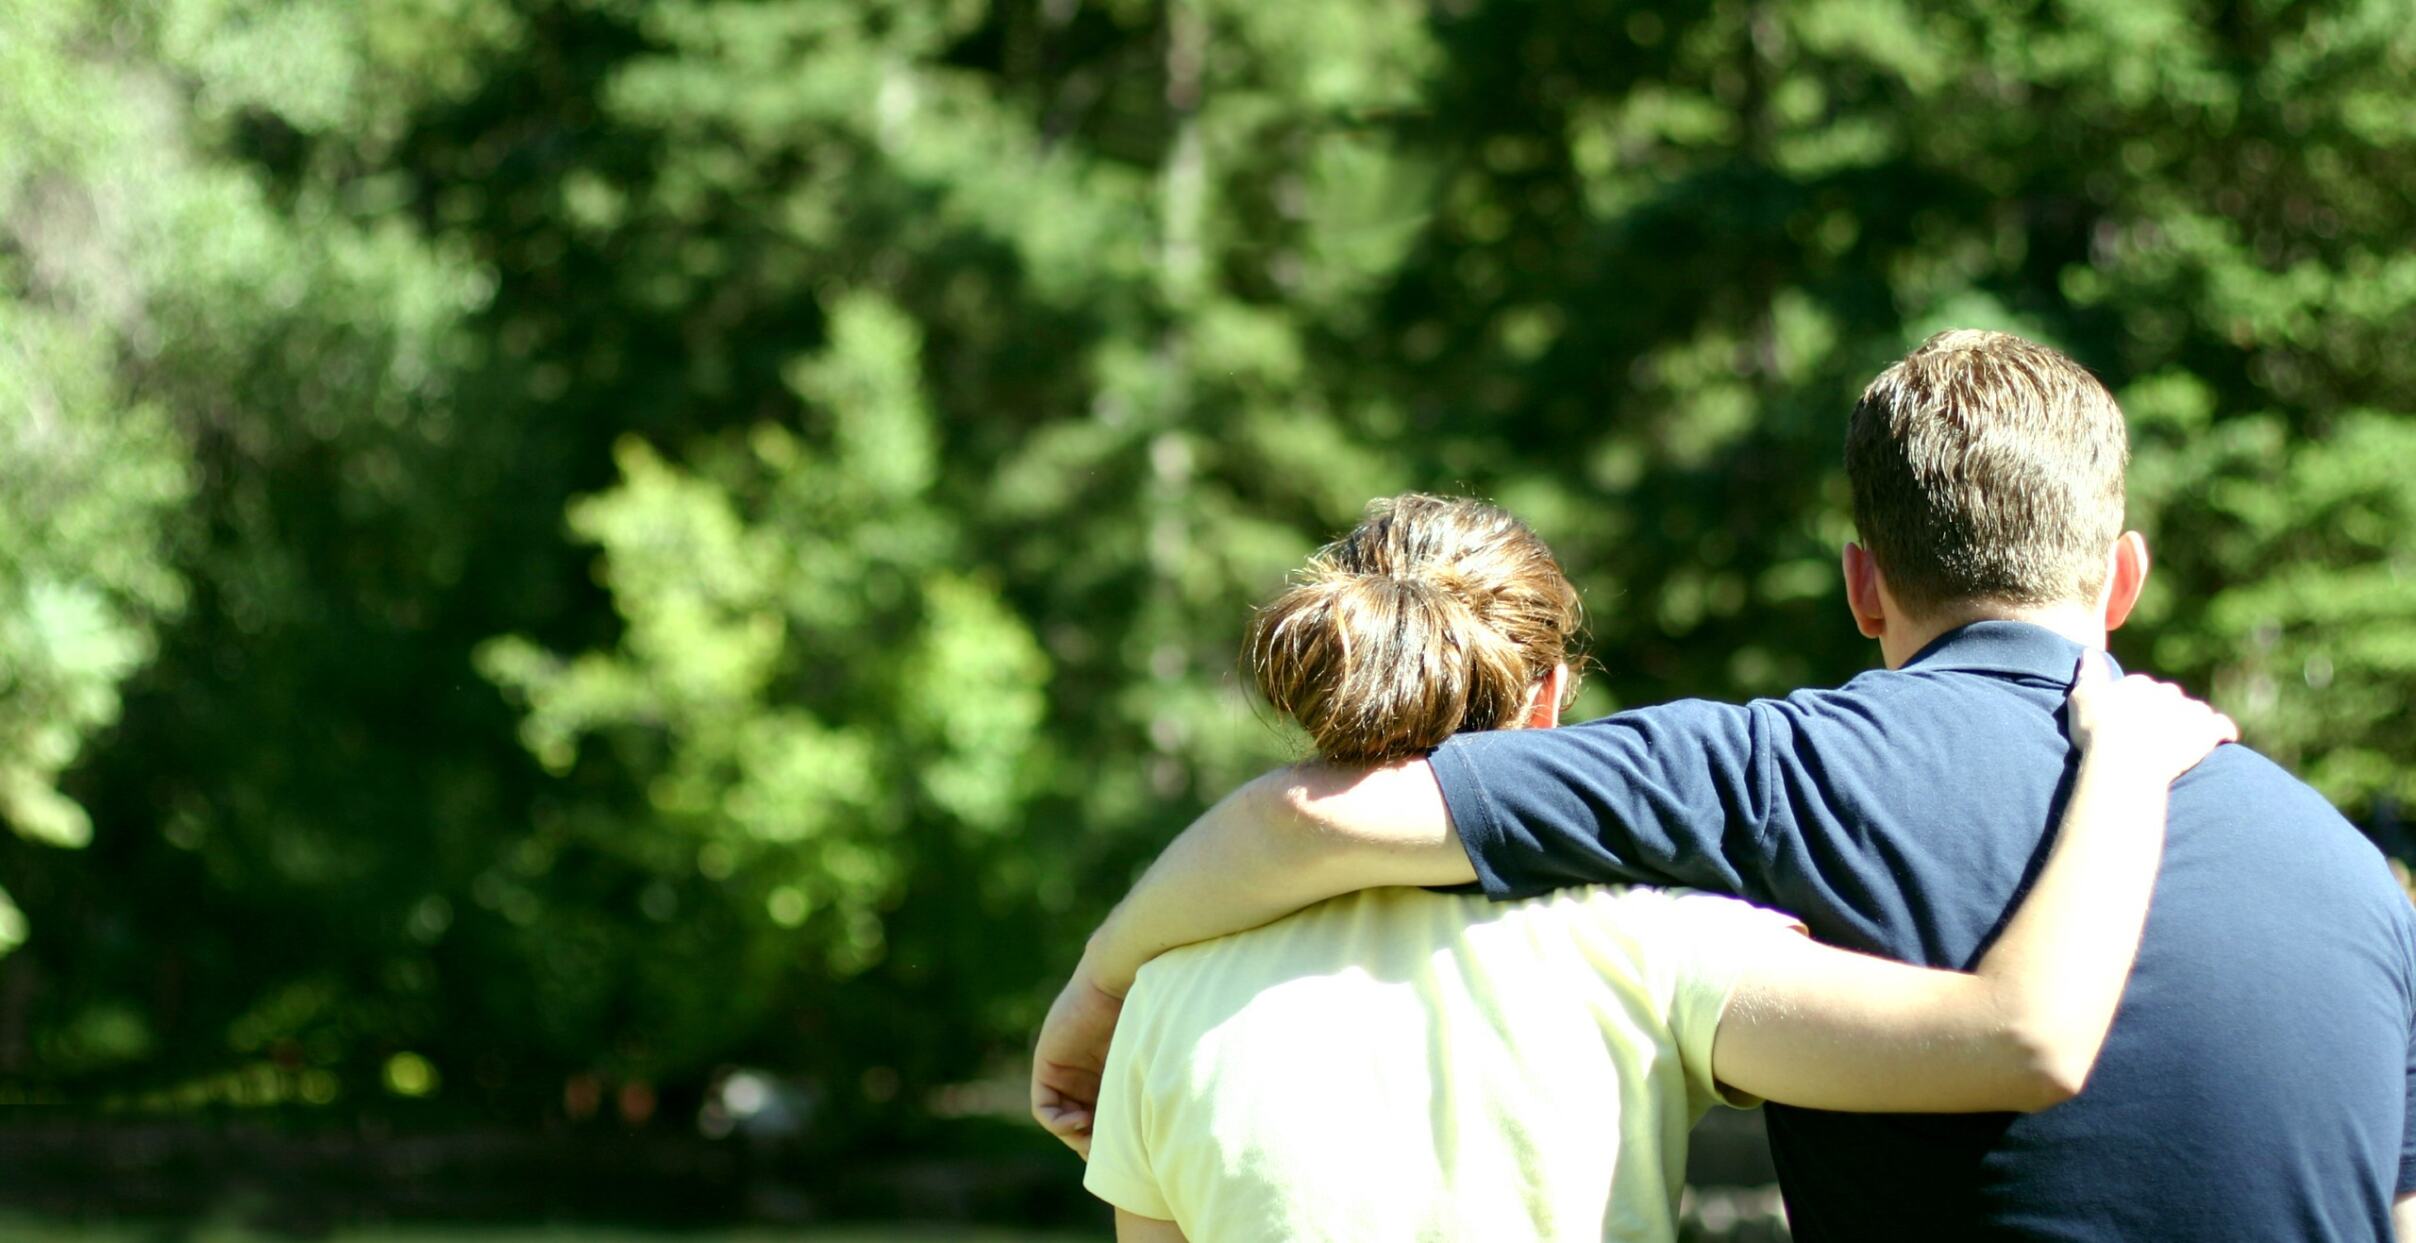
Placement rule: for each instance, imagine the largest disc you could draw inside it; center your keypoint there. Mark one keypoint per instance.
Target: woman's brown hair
(1433, 616)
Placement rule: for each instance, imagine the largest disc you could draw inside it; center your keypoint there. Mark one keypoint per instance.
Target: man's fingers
(1068, 1058)
(1064, 1118)
(1050, 1104)
(1072, 1127)
(1069, 1085)
(1064, 1115)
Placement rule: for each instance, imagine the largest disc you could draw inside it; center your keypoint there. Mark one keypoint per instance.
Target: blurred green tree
(88, 474)
(810, 683)
(212, 370)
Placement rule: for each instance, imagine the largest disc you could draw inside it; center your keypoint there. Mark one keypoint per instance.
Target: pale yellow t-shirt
(1399, 1065)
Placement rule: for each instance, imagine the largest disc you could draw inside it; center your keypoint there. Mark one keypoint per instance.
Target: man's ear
(1862, 591)
(2126, 574)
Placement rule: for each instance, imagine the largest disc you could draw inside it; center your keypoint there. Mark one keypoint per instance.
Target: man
(2255, 1085)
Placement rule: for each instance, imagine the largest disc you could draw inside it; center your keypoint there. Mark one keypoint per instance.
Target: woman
(1413, 1065)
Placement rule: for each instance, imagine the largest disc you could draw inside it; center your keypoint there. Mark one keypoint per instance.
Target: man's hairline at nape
(1902, 633)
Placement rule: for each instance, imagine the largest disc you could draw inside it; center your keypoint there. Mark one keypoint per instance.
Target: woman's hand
(2140, 726)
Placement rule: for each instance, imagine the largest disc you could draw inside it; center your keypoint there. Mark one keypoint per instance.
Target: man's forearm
(1289, 839)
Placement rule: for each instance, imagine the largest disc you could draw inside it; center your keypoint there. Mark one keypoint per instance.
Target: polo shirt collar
(2005, 648)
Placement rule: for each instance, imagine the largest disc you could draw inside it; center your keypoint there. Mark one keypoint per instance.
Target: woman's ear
(1543, 699)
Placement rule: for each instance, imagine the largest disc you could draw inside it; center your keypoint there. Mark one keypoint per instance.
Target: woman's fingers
(2145, 724)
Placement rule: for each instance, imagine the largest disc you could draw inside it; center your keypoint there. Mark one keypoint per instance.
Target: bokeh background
(595, 595)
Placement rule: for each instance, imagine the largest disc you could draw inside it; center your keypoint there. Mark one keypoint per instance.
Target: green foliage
(178, 326)
(88, 474)
(2311, 646)
(805, 676)
(629, 538)
(85, 486)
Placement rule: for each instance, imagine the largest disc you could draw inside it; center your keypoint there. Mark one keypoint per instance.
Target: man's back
(2254, 1085)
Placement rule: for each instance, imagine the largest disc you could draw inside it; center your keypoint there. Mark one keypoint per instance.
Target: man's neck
(1905, 637)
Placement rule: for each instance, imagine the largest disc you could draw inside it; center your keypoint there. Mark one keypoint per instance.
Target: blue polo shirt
(2255, 1085)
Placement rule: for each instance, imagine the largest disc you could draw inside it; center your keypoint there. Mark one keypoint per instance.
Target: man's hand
(1294, 837)
(1069, 1058)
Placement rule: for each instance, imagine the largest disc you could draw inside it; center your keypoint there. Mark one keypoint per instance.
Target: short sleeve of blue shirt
(2407, 1143)
(1675, 794)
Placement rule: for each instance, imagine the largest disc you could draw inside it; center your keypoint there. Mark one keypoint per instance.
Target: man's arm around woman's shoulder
(1289, 839)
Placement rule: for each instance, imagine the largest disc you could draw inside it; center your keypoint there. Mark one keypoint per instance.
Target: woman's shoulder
(1648, 903)
(1391, 934)
(1657, 933)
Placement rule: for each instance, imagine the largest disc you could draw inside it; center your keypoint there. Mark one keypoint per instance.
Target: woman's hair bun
(1434, 615)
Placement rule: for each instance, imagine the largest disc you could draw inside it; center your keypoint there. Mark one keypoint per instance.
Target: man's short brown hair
(1987, 469)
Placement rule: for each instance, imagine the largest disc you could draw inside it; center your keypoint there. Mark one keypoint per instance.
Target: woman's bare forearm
(2059, 968)
(1820, 1027)
(1826, 1028)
